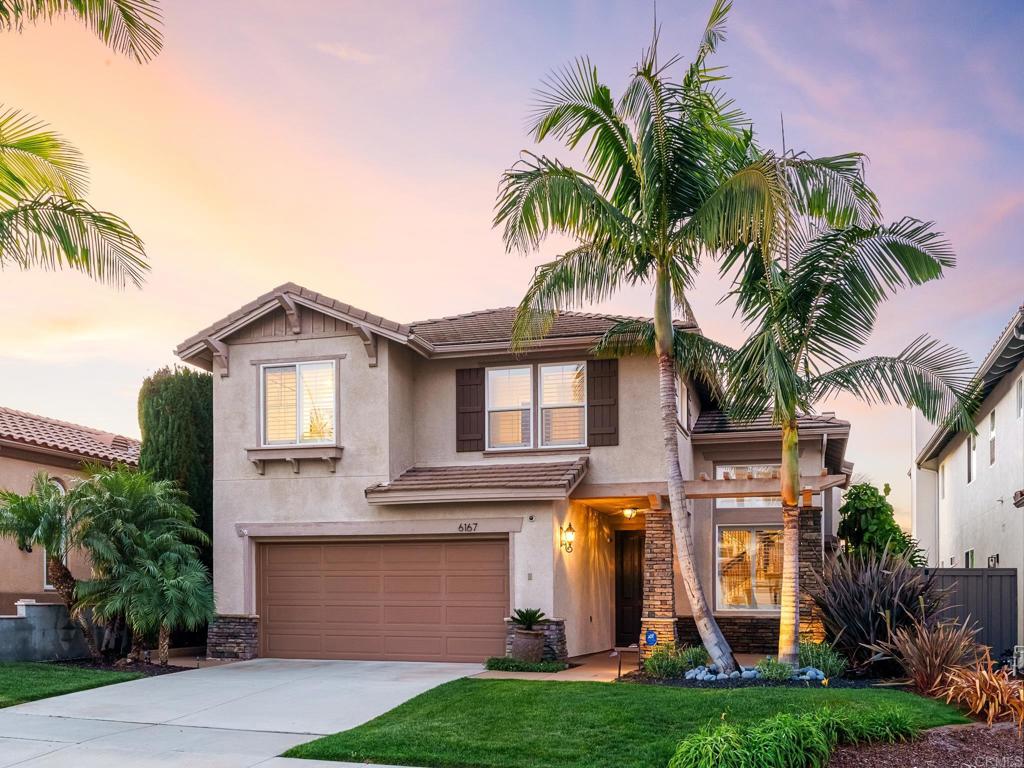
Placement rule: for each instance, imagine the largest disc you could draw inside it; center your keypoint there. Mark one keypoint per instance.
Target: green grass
(516, 723)
(25, 681)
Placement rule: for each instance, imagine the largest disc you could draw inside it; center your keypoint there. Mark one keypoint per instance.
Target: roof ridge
(572, 312)
(71, 424)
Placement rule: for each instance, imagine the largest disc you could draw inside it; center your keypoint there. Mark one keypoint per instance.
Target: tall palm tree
(810, 302)
(49, 517)
(671, 174)
(45, 221)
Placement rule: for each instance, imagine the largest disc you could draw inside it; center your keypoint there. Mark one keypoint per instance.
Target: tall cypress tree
(176, 420)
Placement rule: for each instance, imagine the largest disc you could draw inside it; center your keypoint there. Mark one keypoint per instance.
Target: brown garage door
(397, 600)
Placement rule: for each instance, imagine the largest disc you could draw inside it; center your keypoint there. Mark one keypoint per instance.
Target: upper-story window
(559, 418)
(298, 403)
(1020, 397)
(748, 472)
(972, 457)
(992, 437)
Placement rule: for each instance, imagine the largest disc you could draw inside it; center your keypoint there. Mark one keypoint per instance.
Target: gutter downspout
(1018, 334)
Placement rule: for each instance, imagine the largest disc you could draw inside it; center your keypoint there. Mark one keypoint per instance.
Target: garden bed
(970, 745)
(680, 682)
(144, 670)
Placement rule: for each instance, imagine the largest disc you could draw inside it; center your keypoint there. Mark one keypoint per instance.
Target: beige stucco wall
(22, 573)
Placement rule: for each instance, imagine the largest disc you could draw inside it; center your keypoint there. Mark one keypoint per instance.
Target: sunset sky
(355, 148)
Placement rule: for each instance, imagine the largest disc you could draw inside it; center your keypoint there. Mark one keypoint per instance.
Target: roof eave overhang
(387, 496)
(58, 457)
(837, 430)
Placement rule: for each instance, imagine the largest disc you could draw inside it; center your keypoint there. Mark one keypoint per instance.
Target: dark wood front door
(629, 586)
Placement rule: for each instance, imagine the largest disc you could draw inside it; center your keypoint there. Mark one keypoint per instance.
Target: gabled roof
(480, 482)
(1004, 356)
(481, 332)
(32, 432)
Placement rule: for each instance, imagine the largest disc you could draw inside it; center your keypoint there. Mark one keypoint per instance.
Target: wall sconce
(629, 513)
(566, 536)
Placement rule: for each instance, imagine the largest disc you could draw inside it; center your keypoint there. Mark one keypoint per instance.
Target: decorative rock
(721, 676)
(734, 675)
(803, 677)
(690, 674)
(748, 674)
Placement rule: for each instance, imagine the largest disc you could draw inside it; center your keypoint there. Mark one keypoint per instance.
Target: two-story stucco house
(391, 491)
(967, 506)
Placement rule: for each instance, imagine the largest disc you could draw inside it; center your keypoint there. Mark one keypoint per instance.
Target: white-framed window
(1020, 397)
(683, 404)
(536, 406)
(748, 568)
(298, 403)
(972, 458)
(969, 558)
(992, 437)
(46, 559)
(563, 405)
(942, 481)
(749, 472)
(509, 398)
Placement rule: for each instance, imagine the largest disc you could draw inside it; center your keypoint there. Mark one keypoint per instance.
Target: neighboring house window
(749, 568)
(1020, 397)
(298, 403)
(748, 471)
(972, 457)
(46, 559)
(942, 481)
(992, 438)
(969, 558)
(563, 405)
(683, 404)
(510, 407)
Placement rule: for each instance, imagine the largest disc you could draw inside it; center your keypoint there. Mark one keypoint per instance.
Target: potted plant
(528, 642)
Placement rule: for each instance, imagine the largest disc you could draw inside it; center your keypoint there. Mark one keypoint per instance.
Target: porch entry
(629, 586)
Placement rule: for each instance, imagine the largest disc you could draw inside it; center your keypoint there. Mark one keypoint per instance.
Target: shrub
(791, 741)
(693, 656)
(773, 670)
(926, 651)
(824, 657)
(867, 524)
(864, 595)
(985, 691)
(527, 618)
(508, 664)
(665, 661)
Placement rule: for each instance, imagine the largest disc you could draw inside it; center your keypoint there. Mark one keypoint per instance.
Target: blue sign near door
(651, 638)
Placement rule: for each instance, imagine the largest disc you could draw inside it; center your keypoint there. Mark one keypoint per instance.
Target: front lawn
(26, 681)
(515, 723)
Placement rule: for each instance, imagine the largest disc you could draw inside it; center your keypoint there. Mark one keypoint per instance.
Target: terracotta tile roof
(556, 475)
(91, 444)
(495, 326)
(715, 421)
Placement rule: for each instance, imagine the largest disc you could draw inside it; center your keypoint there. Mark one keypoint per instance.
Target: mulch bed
(955, 746)
(679, 682)
(149, 670)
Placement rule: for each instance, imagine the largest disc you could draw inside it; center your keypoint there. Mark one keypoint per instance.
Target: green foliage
(792, 740)
(927, 650)
(864, 595)
(508, 664)
(176, 420)
(665, 663)
(824, 657)
(527, 618)
(774, 670)
(693, 656)
(867, 523)
(46, 516)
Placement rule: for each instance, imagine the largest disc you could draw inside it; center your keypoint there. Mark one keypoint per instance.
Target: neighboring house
(390, 491)
(967, 504)
(30, 444)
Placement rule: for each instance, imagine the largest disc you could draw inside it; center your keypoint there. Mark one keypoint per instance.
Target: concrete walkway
(232, 716)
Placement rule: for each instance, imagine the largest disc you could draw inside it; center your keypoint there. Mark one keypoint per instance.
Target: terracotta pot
(528, 645)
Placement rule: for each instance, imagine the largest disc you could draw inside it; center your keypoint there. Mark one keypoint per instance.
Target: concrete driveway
(232, 716)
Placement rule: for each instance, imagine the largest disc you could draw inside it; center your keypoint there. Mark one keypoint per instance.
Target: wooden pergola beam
(740, 489)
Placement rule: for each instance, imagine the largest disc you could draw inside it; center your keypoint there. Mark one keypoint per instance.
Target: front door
(629, 586)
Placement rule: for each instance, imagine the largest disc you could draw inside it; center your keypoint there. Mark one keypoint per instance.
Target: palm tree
(49, 517)
(45, 222)
(810, 303)
(672, 173)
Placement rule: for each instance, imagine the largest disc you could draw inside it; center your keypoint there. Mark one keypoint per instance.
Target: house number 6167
(467, 527)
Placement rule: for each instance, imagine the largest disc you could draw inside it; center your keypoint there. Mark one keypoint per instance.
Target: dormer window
(298, 404)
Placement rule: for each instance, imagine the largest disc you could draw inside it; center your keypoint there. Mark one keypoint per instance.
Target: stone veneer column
(659, 611)
(233, 636)
(554, 638)
(812, 563)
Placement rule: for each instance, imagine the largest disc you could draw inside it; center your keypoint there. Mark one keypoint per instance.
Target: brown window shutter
(603, 402)
(469, 409)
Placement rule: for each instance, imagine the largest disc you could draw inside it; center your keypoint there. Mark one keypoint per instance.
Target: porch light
(566, 537)
(629, 513)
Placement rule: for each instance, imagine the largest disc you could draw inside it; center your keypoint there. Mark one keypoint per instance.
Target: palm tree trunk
(165, 644)
(64, 583)
(789, 619)
(710, 633)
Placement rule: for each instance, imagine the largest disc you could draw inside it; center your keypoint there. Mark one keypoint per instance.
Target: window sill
(329, 454)
(490, 453)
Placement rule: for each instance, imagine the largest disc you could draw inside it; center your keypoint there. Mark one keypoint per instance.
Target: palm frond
(52, 232)
(131, 27)
(35, 160)
(933, 376)
(832, 188)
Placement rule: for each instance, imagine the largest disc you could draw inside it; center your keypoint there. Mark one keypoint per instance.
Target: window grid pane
(317, 420)
(279, 398)
(562, 384)
(749, 568)
(509, 388)
(509, 429)
(562, 426)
